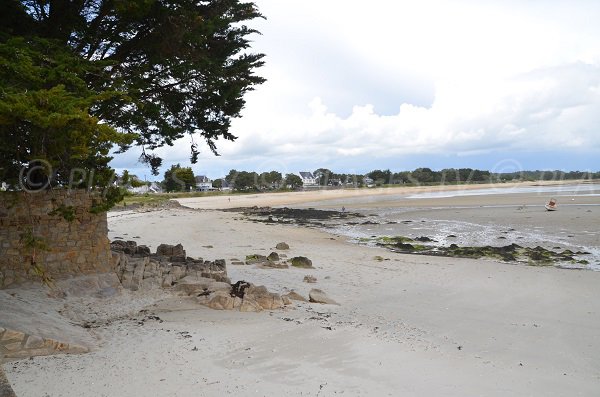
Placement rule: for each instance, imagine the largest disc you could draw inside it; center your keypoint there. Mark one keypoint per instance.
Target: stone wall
(70, 240)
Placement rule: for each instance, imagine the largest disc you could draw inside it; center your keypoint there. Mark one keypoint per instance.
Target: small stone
(255, 259)
(310, 279)
(273, 257)
(282, 246)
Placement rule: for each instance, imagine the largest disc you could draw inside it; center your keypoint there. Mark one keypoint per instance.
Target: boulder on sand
(267, 300)
(317, 296)
(282, 246)
(302, 262)
(293, 295)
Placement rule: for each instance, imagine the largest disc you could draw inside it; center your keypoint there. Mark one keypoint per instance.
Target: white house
(203, 183)
(151, 188)
(308, 179)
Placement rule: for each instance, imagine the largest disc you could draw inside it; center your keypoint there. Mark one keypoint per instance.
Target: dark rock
(255, 259)
(273, 257)
(302, 262)
(171, 250)
(425, 239)
(126, 247)
(220, 264)
(142, 250)
(238, 289)
(282, 246)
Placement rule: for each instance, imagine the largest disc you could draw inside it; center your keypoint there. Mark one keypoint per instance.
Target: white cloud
(546, 108)
(366, 81)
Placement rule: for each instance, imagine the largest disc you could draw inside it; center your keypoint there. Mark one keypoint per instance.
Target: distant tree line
(179, 178)
(424, 176)
(253, 181)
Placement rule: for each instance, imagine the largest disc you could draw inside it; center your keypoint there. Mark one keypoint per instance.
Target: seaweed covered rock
(302, 262)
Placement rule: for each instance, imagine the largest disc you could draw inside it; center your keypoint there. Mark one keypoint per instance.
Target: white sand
(409, 326)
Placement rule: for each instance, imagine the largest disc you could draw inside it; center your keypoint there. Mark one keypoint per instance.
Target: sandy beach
(406, 325)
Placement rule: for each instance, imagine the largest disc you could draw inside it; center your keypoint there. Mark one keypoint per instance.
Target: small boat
(551, 205)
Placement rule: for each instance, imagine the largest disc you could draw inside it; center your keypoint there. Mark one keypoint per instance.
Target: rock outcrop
(138, 269)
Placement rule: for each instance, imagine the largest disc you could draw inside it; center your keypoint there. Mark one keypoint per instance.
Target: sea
(507, 215)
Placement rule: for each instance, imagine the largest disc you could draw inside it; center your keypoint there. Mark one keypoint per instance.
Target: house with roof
(203, 183)
(151, 187)
(308, 179)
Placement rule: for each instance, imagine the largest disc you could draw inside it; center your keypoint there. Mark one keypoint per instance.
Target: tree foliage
(270, 180)
(45, 116)
(293, 181)
(79, 77)
(179, 179)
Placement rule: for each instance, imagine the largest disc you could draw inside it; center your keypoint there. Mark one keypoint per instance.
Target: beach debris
(239, 287)
(302, 262)
(318, 296)
(551, 205)
(310, 279)
(282, 246)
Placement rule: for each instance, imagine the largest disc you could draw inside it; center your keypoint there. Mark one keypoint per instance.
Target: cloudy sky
(355, 85)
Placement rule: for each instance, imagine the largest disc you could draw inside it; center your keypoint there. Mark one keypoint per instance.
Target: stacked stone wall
(67, 238)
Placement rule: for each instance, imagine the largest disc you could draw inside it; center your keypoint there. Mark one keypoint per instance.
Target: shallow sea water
(576, 226)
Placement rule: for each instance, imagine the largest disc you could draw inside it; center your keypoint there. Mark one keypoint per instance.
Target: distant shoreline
(323, 195)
